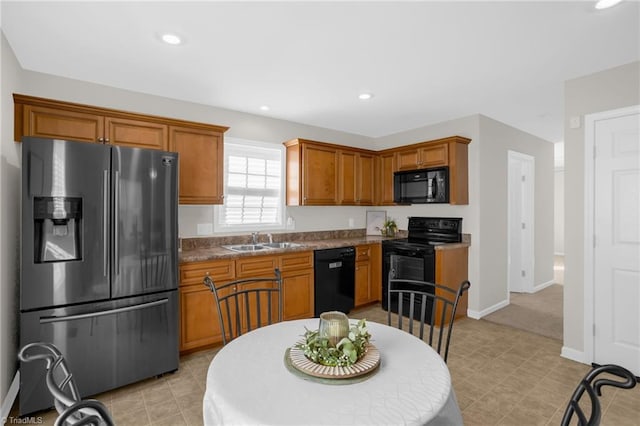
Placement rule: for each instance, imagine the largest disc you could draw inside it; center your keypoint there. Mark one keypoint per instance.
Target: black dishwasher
(334, 276)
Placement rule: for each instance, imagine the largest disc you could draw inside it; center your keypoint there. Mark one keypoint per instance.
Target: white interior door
(520, 222)
(616, 230)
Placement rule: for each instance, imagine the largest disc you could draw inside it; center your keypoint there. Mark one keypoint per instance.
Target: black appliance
(414, 257)
(334, 276)
(99, 263)
(421, 186)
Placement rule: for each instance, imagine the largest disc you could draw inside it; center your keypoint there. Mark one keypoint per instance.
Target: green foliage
(347, 352)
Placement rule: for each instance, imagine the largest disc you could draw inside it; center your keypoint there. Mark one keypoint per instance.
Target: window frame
(219, 210)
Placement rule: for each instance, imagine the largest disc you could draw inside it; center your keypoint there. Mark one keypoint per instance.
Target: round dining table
(250, 383)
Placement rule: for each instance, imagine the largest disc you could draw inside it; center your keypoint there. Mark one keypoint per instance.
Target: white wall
(607, 90)
(9, 219)
(496, 140)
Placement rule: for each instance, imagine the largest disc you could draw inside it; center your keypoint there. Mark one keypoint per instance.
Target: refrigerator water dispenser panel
(58, 229)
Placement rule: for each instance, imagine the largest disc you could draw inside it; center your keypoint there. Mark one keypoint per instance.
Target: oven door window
(411, 268)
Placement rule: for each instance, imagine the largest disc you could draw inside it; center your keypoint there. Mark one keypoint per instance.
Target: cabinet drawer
(193, 273)
(363, 253)
(293, 261)
(259, 266)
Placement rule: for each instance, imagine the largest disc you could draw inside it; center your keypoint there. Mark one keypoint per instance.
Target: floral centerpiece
(346, 352)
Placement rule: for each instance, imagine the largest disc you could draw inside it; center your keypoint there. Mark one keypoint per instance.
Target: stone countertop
(219, 252)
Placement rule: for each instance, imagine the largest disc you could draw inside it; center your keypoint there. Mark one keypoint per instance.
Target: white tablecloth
(248, 383)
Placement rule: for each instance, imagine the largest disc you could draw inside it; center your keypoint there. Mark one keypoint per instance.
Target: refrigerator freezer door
(106, 345)
(65, 208)
(145, 224)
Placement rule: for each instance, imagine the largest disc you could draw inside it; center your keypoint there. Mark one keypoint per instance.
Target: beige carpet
(539, 313)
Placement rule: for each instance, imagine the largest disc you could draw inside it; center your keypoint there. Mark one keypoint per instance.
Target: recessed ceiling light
(365, 96)
(171, 39)
(264, 107)
(605, 4)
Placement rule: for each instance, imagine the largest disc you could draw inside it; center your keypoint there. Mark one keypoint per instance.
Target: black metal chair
(437, 309)
(247, 304)
(66, 397)
(592, 387)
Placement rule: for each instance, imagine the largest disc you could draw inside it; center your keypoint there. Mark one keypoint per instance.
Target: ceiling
(425, 62)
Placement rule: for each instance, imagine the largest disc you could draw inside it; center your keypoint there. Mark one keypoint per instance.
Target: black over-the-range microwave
(421, 186)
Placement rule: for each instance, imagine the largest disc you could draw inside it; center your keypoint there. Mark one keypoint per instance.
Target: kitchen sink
(247, 247)
(285, 244)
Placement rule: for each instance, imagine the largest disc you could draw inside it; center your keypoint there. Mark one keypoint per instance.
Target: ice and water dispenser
(58, 229)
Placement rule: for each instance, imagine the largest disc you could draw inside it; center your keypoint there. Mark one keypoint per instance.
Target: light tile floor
(501, 376)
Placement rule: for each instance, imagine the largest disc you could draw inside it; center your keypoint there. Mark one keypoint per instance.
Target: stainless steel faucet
(254, 237)
(270, 238)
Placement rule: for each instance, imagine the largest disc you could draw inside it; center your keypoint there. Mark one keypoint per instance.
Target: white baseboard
(10, 398)
(574, 355)
(542, 286)
(479, 314)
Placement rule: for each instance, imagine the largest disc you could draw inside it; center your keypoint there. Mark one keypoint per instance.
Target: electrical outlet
(351, 222)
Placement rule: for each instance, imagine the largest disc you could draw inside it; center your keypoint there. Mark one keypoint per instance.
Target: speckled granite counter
(204, 249)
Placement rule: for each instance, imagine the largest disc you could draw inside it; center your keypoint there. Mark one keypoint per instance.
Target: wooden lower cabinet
(368, 274)
(451, 270)
(297, 294)
(199, 323)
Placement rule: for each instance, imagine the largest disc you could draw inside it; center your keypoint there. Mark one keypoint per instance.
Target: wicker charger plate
(369, 362)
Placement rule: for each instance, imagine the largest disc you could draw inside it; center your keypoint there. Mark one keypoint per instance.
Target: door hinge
(524, 274)
(524, 225)
(524, 178)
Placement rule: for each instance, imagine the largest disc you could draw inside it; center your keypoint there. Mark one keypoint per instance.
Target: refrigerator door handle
(47, 320)
(116, 207)
(105, 222)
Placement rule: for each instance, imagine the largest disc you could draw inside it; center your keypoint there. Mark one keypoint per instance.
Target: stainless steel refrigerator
(99, 272)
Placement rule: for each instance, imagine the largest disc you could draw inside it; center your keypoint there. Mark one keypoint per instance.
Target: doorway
(612, 238)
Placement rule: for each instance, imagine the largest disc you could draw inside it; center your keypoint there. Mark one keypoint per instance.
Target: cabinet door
(347, 177)
(385, 178)
(408, 159)
(61, 124)
(451, 269)
(434, 156)
(201, 164)
(365, 179)
(199, 323)
(137, 133)
(320, 175)
(297, 294)
(363, 283)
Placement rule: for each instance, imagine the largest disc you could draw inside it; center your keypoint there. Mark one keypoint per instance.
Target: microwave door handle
(434, 188)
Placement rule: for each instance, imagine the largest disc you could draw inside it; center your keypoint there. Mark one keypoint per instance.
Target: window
(253, 187)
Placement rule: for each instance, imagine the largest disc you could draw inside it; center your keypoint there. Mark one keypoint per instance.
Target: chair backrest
(592, 387)
(429, 306)
(66, 397)
(247, 304)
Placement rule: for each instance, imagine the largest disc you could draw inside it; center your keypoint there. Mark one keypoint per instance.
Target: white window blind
(253, 187)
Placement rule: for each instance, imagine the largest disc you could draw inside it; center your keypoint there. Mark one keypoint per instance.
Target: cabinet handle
(106, 140)
(101, 140)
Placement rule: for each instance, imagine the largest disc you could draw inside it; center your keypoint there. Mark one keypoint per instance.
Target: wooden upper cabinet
(347, 172)
(136, 133)
(356, 177)
(422, 157)
(52, 123)
(201, 164)
(312, 173)
(325, 174)
(365, 179)
(384, 178)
